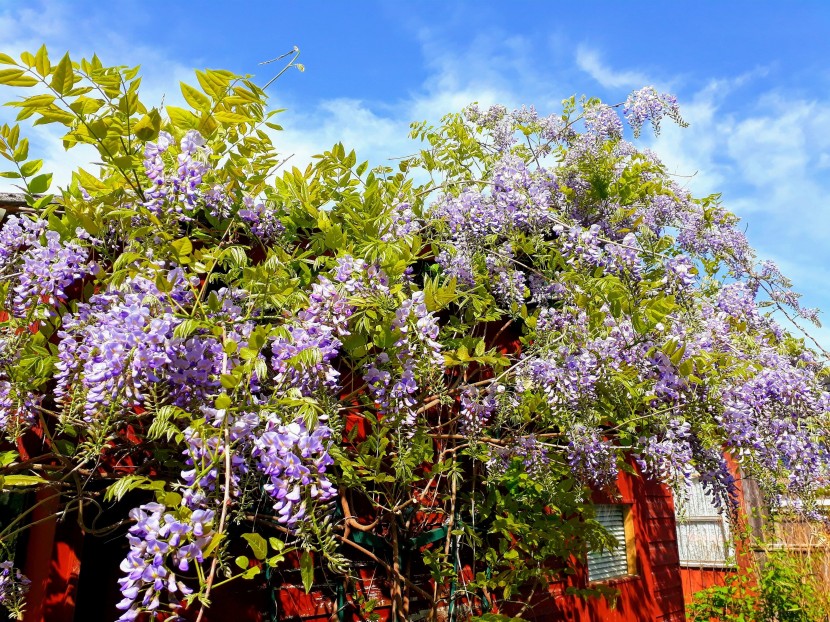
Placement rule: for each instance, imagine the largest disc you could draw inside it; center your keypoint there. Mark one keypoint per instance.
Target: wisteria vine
(298, 355)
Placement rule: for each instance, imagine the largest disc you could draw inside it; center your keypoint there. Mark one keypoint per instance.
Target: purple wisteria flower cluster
(263, 220)
(40, 265)
(180, 187)
(667, 456)
(160, 545)
(302, 357)
(119, 343)
(477, 407)
(592, 459)
(602, 121)
(17, 411)
(295, 461)
(567, 378)
(575, 359)
(503, 125)
(525, 450)
(766, 417)
(394, 382)
(649, 105)
(179, 191)
(402, 222)
(13, 588)
(206, 450)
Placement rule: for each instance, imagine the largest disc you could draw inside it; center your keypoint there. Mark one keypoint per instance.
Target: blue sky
(751, 77)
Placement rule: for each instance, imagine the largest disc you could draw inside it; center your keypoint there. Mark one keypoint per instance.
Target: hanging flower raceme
(477, 406)
(177, 188)
(13, 588)
(394, 381)
(649, 105)
(592, 458)
(770, 418)
(548, 307)
(40, 265)
(160, 545)
(294, 460)
(119, 343)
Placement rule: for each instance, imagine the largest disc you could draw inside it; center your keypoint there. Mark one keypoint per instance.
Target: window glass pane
(613, 563)
(703, 536)
(702, 542)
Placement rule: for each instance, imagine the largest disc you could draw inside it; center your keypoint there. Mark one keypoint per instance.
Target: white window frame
(704, 535)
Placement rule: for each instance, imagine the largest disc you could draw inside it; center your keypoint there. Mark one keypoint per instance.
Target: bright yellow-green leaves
(100, 106)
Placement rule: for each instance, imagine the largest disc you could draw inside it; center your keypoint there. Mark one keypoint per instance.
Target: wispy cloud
(25, 28)
(491, 69)
(590, 61)
(767, 151)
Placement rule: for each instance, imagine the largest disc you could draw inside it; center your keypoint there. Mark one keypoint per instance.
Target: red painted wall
(696, 579)
(80, 574)
(655, 593)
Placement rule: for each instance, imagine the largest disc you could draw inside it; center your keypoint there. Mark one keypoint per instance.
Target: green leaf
(23, 480)
(42, 62)
(182, 118)
(307, 571)
(22, 150)
(148, 126)
(215, 81)
(257, 543)
(228, 381)
(64, 76)
(9, 75)
(196, 99)
(242, 562)
(116, 491)
(231, 118)
(214, 542)
(186, 328)
(36, 101)
(31, 167)
(182, 246)
(251, 572)
(22, 80)
(40, 183)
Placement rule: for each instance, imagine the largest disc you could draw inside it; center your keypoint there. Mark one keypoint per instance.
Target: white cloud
(492, 69)
(589, 61)
(55, 25)
(767, 154)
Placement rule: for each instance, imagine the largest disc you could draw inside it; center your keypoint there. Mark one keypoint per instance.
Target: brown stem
(428, 406)
(405, 599)
(350, 520)
(421, 592)
(501, 330)
(396, 572)
(226, 503)
(448, 542)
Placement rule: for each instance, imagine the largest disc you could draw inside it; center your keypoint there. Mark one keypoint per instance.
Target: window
(703, 536)
(619, 561)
